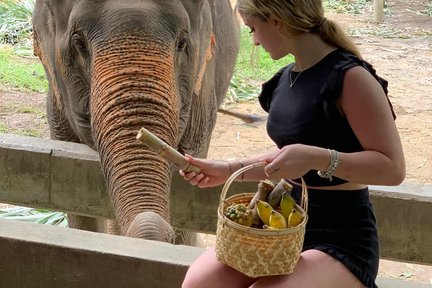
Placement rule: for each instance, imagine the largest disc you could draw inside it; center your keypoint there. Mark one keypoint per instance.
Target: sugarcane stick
(166, 151)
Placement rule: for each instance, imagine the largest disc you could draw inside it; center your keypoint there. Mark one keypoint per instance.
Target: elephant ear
(194, 8)
(50, 19)
(55, 13)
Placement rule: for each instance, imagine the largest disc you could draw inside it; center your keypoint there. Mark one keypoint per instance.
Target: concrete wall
(42, 256)
(66, 177)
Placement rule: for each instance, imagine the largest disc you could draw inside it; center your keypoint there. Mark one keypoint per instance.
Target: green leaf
(40, 216)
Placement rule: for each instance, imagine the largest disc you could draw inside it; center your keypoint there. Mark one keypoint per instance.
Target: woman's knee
(314, 269)
(207, 272)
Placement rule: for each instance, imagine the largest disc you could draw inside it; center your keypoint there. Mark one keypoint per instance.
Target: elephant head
(116, 66)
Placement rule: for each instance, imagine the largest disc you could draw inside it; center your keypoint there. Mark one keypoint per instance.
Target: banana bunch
(277, 210)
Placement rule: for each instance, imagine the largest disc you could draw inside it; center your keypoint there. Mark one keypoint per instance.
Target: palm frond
(15, 20)
(41, 216)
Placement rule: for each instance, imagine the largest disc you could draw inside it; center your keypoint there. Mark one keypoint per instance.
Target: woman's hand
(290, 162)
(213, 173)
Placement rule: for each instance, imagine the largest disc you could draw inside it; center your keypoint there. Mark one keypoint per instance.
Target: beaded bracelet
(334, 163)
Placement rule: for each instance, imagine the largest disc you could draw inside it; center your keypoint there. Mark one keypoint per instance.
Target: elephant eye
(182, 44)
(79, 43)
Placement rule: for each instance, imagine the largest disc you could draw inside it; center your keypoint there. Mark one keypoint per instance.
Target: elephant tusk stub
(164, 150)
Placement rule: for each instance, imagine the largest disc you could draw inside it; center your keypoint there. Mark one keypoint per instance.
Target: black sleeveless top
(307, 113)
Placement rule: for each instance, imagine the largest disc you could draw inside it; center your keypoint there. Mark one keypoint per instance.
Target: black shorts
(343, 225)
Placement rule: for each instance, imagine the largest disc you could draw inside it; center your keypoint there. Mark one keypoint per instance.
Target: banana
(277, 220)
(274, 197)
(295, 218)
(286, 205)
(264, 210)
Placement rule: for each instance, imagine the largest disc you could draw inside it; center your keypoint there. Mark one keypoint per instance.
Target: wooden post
(379, 10)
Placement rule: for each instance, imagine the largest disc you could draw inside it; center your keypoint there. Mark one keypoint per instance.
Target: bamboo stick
(165, 151)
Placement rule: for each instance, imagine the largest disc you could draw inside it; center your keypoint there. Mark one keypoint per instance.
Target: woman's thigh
(208, 272)
(314, 269)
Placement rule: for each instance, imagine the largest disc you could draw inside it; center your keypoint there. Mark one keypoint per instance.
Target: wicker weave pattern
(258, 252)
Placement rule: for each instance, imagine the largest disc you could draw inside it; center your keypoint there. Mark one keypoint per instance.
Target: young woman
(333, 125)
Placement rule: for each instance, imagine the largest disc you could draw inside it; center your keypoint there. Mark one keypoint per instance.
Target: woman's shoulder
(345, 61)
(342, 61)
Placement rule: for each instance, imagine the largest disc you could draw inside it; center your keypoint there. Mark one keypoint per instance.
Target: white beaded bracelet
(334, 163)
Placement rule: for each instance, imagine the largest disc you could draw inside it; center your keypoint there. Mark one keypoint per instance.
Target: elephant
(116, 66)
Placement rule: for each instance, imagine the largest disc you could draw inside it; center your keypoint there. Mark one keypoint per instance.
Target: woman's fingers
(270, 170)
(199, 180)
(204, 183)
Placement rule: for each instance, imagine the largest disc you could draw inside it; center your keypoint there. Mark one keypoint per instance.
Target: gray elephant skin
(116, 66)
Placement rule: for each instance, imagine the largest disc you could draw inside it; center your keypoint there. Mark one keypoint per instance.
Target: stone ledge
(41, 256)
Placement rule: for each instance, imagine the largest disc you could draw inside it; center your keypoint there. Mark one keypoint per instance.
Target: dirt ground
(400, 49)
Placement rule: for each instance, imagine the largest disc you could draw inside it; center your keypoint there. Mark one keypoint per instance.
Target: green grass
(21, 73)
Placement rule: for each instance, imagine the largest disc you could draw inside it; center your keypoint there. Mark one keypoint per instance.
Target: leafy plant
(15, 21)
(428, 9)
(40, 216)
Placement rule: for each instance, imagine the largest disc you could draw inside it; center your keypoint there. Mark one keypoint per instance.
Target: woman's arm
(368, 112)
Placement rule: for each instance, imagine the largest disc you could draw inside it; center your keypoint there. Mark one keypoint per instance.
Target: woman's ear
(276, 24)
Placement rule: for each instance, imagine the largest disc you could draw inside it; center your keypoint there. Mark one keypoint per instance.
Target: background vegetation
(21, 71)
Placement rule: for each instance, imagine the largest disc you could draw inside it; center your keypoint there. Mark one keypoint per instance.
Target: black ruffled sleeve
(268, 87)
(332, 88)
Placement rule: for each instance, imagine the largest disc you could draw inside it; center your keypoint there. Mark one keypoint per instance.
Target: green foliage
(3, 128)
(253, 67)
(40, 216)
(24, 74)
(15, 21)
(428, 9)
(350, 7)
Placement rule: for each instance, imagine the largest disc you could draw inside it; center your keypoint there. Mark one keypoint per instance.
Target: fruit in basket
(264, 210)
(240, 214)
(277, 220)
(274, 197)
(286, 205)
(264, 188)
(295, 218)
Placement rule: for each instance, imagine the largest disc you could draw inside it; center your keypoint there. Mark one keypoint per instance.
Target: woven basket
(258, 252)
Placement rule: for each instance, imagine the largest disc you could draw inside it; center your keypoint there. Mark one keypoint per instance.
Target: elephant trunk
(133, 86)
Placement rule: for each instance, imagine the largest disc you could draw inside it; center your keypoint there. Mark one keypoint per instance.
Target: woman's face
(267, 34)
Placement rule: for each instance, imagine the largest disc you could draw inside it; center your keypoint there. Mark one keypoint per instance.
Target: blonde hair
(299, 16)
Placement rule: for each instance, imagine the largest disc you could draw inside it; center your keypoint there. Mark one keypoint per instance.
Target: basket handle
(234, 175)
(304, 197)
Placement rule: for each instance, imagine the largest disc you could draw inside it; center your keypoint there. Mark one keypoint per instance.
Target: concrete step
(42, 256)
